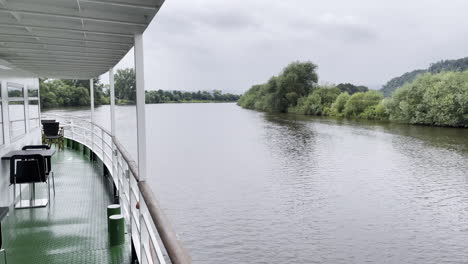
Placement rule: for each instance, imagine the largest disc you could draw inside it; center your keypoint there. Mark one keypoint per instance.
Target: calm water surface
(248, 187)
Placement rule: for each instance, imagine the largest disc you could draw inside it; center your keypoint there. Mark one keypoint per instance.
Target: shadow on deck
(73, 227)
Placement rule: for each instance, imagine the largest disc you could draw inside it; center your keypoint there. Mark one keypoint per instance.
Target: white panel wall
(32, 136)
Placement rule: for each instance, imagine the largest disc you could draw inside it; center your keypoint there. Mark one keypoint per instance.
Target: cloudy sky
(233, 44)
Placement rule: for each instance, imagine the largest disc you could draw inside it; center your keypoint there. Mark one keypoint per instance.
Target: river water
(247, 187)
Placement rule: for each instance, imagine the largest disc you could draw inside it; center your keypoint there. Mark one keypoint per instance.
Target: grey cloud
(340, 28)
(236, 43)
(185, 21)
(350, 33)
(227, 20)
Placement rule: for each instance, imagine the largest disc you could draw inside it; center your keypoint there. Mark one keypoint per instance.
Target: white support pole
(26, 109)
(112, 113)
(91, 93)
(140, 106)
(5, 114)
(112, 100)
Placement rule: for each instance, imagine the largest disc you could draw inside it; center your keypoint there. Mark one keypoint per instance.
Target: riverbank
(431, 100)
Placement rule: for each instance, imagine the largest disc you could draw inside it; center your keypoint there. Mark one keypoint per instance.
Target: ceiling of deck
(77, 39)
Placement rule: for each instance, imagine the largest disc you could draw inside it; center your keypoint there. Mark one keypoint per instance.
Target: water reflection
(291, 136)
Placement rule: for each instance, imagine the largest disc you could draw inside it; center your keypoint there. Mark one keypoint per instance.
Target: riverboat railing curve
(153, 236)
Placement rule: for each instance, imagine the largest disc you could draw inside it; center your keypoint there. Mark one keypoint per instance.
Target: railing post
(91, 92)
(117, 171)
(72, 129)
(130, 207)
(141, 222)
(102, 146)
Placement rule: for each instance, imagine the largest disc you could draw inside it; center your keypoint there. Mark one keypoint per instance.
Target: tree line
(160, 96)
(439, 99)
(125, 91)
(64, 93)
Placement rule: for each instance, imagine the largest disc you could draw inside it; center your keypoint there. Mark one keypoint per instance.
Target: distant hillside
(397, 82)
(445, 65)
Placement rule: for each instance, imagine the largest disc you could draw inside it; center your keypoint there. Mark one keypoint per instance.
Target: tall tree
(125, 84)
(281, 92)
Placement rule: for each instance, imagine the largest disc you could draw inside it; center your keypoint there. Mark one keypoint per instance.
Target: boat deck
(73, 227)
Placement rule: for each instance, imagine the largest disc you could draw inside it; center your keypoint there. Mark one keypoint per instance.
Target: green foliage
(250, 97)
(438, 100)
(125, 84)
(382, 110)
(361, 104)
(125, 92)
(319, 102)
(449, 65)
(160, 96)
(100, 97)
(351, 88)
(376, 112)
(282, 92)
(441, 66)
(58, 93)
(397, 82)
(63, 93)
(337, 108)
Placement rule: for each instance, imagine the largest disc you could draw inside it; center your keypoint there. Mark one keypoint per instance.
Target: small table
(47, 154)
(3, 213)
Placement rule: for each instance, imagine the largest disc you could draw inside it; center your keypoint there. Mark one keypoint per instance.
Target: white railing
(152, 234)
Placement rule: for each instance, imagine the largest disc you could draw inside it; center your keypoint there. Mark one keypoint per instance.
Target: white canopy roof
(76, 39)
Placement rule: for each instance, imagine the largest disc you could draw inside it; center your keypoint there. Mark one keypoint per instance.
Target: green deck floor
(72, 228)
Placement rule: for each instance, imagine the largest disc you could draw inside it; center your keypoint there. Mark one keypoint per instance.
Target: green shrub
(438, 100)
(318, 102)
(360, 102)
(338, 106)
(376, 112)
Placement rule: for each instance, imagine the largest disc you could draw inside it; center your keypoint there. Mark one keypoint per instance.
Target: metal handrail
(132, 165)
(166, 232)
(141, 192)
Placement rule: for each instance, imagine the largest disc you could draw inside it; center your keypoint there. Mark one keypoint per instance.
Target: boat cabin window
(16, 110)
(15, 91)
(33, 105)
(33, 93)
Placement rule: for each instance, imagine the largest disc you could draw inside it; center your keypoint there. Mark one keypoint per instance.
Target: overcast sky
(233, 44)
